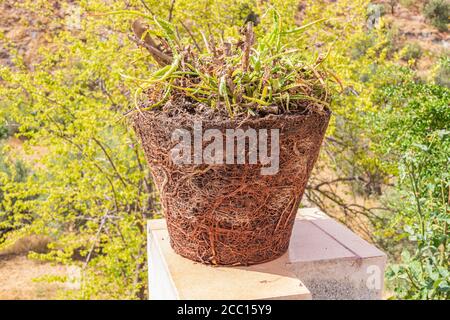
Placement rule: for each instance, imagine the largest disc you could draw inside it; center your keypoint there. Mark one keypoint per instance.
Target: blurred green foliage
(412, 51)
(442, 72)
(437, 11)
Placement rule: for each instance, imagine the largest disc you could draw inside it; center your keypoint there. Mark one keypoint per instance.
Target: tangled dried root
(231, 214)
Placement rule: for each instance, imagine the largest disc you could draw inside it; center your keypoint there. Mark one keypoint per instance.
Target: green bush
(3, 132)
(413, 133)
(361, 46)
(442, 72)
(437, 11)
(411, 51)
(11, 171)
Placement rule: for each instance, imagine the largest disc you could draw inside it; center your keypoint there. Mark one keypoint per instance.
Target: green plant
(412, 51)
(412, 130)
(255, 76)
(442, 72)
(437, 11)
(3, 132)
(11, 171)
(89, 191)
(361, 46)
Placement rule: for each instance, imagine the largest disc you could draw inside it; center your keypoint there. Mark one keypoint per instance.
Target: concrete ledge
(332, 261)
(174, 277)
(325, 260)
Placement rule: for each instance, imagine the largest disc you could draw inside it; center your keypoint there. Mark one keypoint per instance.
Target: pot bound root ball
(231, 214)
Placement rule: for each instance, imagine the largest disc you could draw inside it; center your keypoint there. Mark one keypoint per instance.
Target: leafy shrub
(411, 51)
(361, 46)
(437, 11)
(10, 172)
(442, 72)
(412, 125)
(3, 132)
